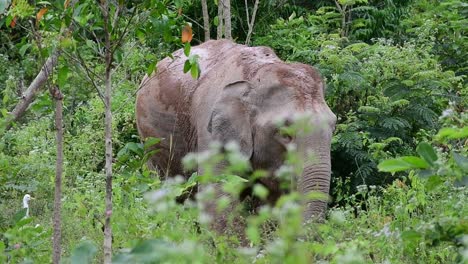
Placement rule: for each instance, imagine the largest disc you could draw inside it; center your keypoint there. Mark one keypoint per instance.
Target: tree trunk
(108, 136)
(251, 22)
(219, 32)
(29, 95)
(57, 237)
(38, 82)
(227, 19)
(206, 20)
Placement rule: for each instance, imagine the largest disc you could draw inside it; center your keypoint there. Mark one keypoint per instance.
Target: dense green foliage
(396, 79)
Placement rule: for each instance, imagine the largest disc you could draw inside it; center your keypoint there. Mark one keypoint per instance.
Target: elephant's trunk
(315, 176)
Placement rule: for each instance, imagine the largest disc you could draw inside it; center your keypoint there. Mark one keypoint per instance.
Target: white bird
(26, 199)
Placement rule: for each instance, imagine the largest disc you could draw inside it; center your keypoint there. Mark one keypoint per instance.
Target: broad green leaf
(3, 257)
(260, 191)
(402, 164)
(187, 66)
(453, 133)
(135, 148)
(427, 152)
(187, 48)
(253, 234)
(433, 181)
(84, 253)
(141, 34)
(62, 76)
(411, 237)
(194, 71)
(23, 49)
(151, 141)
(8, 20)
(216, 21)
(151, 68)
(5, 98)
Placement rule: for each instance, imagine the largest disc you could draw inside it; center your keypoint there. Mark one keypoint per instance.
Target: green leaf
(216, 21)
(411, 237)
(453, 133)
(8, 20)
(141, 34)
(402, 164)
(19, 215)
(23, 49)
(187, 66)
(433, 182)
(427, 152)
(5, 98)
(84, 253)
(253, 234)
(187, 48)
(260, 191)
(151, 68)
(62, 76)
(151, 141)
(194, 71)
(135, 148)
(3, 256)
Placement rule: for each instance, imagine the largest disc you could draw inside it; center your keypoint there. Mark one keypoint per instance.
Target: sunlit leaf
(187, 34)
(453, 133)
(151, 68)
(260, 191)
(62, 76)
(187, 48)
(402, 164)
(40, 14)
(194, 71)
(427, 152)
(150, 142)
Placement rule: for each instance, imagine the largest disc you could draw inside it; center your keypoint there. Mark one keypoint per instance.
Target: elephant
(239, 94)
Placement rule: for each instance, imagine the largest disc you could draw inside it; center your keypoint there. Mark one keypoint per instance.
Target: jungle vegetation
(396, 75)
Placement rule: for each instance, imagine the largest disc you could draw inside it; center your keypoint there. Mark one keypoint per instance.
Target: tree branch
(252, 22)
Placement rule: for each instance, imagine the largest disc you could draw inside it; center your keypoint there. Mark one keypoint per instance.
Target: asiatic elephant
(240, 93)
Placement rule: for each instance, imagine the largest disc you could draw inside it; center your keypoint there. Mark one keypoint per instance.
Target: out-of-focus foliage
(386, 95)
(396, 79)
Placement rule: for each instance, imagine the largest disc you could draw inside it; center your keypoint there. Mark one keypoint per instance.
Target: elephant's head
(248, 113)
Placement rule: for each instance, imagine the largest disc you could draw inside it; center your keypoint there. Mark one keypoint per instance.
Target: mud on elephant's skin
(239, 95)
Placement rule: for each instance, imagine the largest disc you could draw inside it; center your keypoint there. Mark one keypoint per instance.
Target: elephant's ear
(230, 119)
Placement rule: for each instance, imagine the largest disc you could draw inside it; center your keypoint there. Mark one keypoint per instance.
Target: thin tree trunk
(227, 19)
(108, 136)
(252, 22)
(30, 93)
(206, 20)
(38, 82)
(219, 32)
(57, 237)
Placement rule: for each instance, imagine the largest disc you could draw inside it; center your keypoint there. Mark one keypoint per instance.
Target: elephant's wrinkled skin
(240, 92)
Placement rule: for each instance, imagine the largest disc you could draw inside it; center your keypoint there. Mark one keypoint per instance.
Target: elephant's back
(169, 101)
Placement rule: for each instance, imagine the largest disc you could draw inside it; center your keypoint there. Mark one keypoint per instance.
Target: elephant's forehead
(277, 114)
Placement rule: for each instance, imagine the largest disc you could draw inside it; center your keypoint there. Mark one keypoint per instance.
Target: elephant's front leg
(224, 212)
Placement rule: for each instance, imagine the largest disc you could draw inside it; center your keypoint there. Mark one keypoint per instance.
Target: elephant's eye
(287, 138)
(283, 137)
